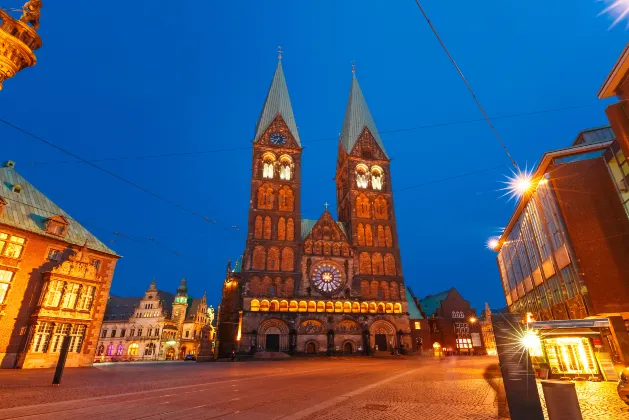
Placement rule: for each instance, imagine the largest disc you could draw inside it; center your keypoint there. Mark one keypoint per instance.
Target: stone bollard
(561, 400)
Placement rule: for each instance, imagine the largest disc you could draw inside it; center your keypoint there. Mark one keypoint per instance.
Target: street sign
(516, 367)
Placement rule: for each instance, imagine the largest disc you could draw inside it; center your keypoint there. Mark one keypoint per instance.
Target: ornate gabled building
(157, 326)
(317, 286)
(54, 279)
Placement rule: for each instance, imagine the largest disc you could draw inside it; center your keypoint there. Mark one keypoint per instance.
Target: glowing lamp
(519, 184)
(473, 319)
(493, 243)
(530, 340)
(436, 345)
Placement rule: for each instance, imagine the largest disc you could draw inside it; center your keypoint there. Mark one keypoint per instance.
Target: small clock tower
(180, 305)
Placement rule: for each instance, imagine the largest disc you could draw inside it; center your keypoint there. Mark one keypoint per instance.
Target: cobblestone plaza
(348, 388)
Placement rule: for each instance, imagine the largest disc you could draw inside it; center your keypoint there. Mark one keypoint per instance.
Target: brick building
(156, 326)
(450, 324)
(54, 279)
(317, 285)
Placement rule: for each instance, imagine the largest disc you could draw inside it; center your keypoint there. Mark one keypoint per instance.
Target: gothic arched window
(256, 286)
(288, 259)
(385, 289)
(326, 248)
(345, 250)
(388, 236)
(363, 207)
(267, 227)
(278, 286)
(381, 240)
(368, 235)
(290, 230)
(376, 262)
(286, 167)
(308, 246)
(273, 259)
(381, 208)
(377, 176)
(281, 229)
(336, 249)
(259, 257)
(265, 197)
(257, 231)
(389, 265)
(290, 286)
(362, 176)
(364, 288)
(268, 165)
(360, 233)
(394, 290)
(318, 247)
(365, 263)
(287, 199)
(373, 287)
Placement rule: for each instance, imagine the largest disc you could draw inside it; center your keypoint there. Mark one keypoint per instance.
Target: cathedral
(320, 286)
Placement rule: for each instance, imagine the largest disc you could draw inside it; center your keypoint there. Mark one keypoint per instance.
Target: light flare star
(617, 8)
(518, 184)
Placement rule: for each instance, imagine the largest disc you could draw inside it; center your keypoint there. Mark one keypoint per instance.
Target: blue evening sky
(123, 79)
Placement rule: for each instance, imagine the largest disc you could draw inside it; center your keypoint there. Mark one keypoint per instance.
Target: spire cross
(279, 52)
(353, 66)
(326, 205)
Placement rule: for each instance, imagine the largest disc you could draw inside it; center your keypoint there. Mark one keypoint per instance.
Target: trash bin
(561, 400)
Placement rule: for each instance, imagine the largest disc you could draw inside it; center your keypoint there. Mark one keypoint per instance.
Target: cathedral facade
(317, 286)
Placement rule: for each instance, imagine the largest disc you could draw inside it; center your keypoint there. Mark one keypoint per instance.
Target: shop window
(11, 246)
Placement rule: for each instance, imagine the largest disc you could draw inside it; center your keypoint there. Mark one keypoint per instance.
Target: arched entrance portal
(311, 348)
(348, 348)
(273, 335)
(170, 354)
(382, 335)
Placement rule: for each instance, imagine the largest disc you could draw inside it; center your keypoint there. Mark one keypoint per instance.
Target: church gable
(326, 238)
(367, 147)
(278, 126)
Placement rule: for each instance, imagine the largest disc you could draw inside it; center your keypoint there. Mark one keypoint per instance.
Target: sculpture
(31, 13)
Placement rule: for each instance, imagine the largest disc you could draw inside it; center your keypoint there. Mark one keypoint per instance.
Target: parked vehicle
(623, 386)
(190, 357)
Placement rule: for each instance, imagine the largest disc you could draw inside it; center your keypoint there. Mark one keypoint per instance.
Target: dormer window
(17, 188)
(57, 225)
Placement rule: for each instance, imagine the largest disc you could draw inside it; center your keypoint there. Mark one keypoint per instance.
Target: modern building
(317, 285)
(563, 254)
(54, 279)
(451, 324)
(156, 326)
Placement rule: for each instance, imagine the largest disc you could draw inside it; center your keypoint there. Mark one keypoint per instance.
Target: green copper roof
(413, 310)
(431, 303)
(29, 209)
(277, 102)
(357, 117)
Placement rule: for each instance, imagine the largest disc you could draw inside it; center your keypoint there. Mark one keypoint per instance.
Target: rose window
(326, 278)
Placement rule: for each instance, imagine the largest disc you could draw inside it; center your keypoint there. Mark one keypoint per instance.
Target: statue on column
(31, 13)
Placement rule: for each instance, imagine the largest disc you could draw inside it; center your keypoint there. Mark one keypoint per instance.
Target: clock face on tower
(326, 278)
(277, 138)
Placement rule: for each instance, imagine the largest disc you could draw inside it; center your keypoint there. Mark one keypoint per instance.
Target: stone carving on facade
(311, 326)
(347, 327)
(77, 265)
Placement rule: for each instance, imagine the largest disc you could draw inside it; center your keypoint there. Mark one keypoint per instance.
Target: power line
(100, 168)
(399, 130)
(449, 178)
(469, 87)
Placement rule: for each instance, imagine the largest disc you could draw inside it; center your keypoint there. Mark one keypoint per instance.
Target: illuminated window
(70, 296)
(53, 295)
(42, 337)
(286, 167)
(149, 350)
(418, 325)
(362, 176)
(255, 305)
(11, 246)
(139, 332)
(5, 281)
(377, 176)
(133, 349)
(60, 331)
(268, 163)
(110, 350)
(120, 350)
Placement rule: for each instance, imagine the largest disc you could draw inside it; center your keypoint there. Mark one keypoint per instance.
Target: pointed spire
(357, 117)
(229, 268)
(277, 102)
(182, 290)
(152, 287)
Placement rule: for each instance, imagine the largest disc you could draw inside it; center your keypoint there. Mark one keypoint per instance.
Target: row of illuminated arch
(376, 264)
(282, 166)
(364, 207)
(347, 307)
(266, 198)
(263, 228)
(365, 235)
(326, 248)
(271, 260)
(366, 175)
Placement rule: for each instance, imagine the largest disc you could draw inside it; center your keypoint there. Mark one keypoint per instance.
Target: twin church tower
(316, 286)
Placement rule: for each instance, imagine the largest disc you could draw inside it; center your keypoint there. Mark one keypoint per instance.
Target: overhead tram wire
(399, 130)
(469, 87)
(100, 168)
